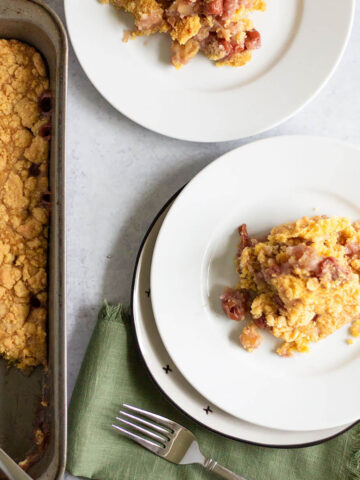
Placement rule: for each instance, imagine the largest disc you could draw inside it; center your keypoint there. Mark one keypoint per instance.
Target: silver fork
(167, 439)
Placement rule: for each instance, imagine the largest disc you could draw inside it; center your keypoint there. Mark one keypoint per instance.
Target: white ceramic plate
(262, 184)
(303, 41)
(174, 385)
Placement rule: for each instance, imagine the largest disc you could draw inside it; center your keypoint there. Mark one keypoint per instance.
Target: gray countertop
(119, 175)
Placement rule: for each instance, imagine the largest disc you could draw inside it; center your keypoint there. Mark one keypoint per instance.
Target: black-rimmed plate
(174, 385)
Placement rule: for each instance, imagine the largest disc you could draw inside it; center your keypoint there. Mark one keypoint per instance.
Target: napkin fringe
(114, 313)
(354, 463)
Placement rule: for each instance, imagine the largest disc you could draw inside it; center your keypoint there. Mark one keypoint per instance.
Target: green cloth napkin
(112, 373)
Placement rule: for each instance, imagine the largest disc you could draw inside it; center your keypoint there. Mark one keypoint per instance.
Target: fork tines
(156, 434)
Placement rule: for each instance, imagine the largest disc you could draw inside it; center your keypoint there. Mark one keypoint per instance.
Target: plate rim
(227, 138)
(172, 402)
(276, 138)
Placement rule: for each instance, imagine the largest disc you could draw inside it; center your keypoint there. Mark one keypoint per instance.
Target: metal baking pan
(32, 22)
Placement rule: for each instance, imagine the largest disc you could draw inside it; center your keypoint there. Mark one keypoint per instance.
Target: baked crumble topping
(24, 148)
(301, 283)
(221, 29)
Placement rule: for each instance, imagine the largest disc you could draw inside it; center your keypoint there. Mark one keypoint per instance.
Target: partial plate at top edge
(303, 42)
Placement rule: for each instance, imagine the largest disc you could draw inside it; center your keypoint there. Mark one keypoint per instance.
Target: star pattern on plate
(167, 369)
(207, 410)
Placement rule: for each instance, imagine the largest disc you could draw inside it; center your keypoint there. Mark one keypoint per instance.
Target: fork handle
(223, 472)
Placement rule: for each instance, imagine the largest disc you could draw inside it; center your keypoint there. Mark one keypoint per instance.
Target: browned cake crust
(24, 203)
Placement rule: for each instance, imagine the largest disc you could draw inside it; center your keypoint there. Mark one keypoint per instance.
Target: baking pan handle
(11, 468)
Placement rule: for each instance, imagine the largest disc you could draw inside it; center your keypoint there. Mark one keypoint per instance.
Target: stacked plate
(186, 260)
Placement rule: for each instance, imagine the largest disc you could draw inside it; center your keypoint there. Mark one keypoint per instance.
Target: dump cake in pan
(25, 109)
(301, 283)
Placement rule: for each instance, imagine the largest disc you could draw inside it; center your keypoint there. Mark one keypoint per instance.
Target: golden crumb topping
(221, 29)
(24, 204)
(301, 282)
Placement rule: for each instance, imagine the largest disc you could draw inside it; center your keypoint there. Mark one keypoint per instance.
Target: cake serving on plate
(301, 283)
(221, 29)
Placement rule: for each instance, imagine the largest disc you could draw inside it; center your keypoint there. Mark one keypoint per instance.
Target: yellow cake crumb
(355, 328)
(185, 28)
(250, 338)
(237, 60)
